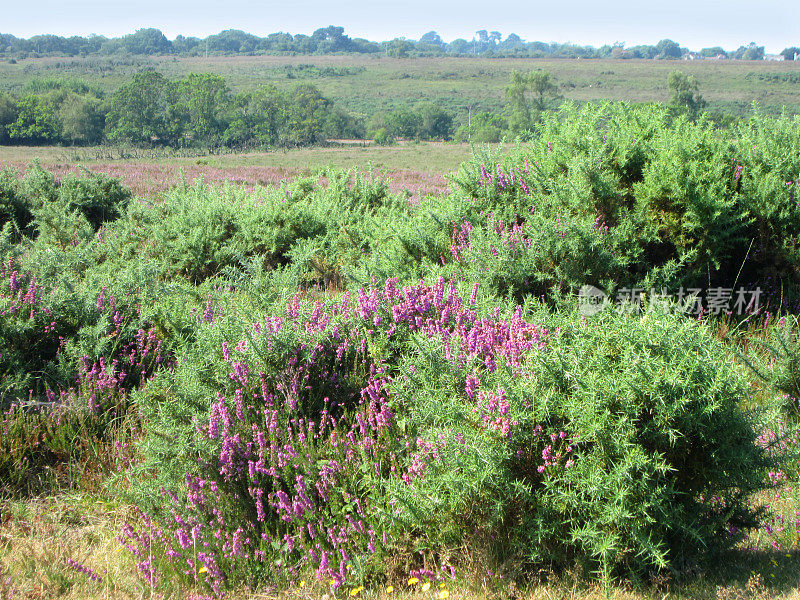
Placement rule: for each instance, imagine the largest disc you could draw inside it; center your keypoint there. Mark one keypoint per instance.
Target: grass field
(366, 85)
(417, 168)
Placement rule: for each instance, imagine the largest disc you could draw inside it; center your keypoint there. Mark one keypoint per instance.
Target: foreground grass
(65, 546)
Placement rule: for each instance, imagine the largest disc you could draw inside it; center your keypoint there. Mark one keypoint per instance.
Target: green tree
(306, 110)
(145, 111)
(749, 52)
(436, 122)
(713, 52)
(146, 41)
(790, 52)
(685, 93)
(8, 114)
(36, 121)
(257, 117)
(484, 128)
(524, 110)
(668, 49)
(82, 119)
(206, 100)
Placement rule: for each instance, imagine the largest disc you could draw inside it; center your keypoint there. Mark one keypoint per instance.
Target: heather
(322, 383)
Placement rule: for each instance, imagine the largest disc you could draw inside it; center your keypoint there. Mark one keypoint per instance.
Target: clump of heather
(333, 434)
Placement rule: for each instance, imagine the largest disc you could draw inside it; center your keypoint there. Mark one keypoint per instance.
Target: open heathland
(366, 85)
(571, 371)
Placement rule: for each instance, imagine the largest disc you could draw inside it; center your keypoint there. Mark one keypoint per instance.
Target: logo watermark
(692, 301)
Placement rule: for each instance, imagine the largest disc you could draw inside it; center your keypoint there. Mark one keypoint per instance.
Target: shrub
(331, 434)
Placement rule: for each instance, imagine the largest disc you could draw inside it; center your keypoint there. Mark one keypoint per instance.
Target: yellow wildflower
(443, 594)
(203, 570)
(355, 591)
(413, 581)
(389, 589)
(426, 586)
(302, 584)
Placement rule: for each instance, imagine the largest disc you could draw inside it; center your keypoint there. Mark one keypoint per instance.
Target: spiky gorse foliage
(332, 380)
(336, 434)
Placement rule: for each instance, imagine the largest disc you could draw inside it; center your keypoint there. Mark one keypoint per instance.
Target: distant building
(778, 57)
(692, 56)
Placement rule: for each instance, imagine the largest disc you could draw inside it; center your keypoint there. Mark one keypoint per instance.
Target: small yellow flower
(413, 581)
(389, 589)
(443, 594)
(426, 586)
(443, 585)
(355, 591)
(203, 570)
(302, 584)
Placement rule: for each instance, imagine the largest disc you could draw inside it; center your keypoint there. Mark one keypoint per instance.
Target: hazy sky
(692, 23)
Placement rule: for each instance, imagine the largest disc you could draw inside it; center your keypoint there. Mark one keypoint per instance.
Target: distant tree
(432, 38)
(543, 88)
(458, 46)
(306, 110)
(81, 119)
(145, 111)
(512, 42)
(8, 114)
(668, 49)
(146, 41)
(524, 111)
(404, 123)
(437, 123)
(257, 117)
(713, 52)
(484, 128)
(749, 52)
(791, 52)
(686, 96)
(206, 100)
(398, 47)
(184, 45)
(331, 39)
(231, 41)
(36, 121)
(280, 42)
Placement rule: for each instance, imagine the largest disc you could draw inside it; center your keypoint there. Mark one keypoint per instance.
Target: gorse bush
(330, 381)
(332, 435)
(677, 203)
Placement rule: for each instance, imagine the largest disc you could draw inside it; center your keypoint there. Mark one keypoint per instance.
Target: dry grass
(39, 538)
(417, 169)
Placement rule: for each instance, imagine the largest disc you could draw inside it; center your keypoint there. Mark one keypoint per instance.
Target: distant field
(365, 85)
(417, 168)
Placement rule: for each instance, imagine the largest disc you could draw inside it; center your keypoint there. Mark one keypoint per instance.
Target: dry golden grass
(38, 538)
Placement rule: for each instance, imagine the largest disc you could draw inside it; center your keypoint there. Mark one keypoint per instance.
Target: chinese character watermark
(692, 301)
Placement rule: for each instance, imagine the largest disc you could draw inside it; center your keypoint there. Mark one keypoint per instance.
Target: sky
(695, 24)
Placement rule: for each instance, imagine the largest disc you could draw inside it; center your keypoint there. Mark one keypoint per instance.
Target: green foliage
(36, 120)
(639, 200)
(651, 456)
(524, 112)
(82, 120)
(484, 128)
(144, 111)
(685, 92)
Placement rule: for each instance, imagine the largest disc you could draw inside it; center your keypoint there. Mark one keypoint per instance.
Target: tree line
(200, 110)
(152, 110)
(332, 40)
